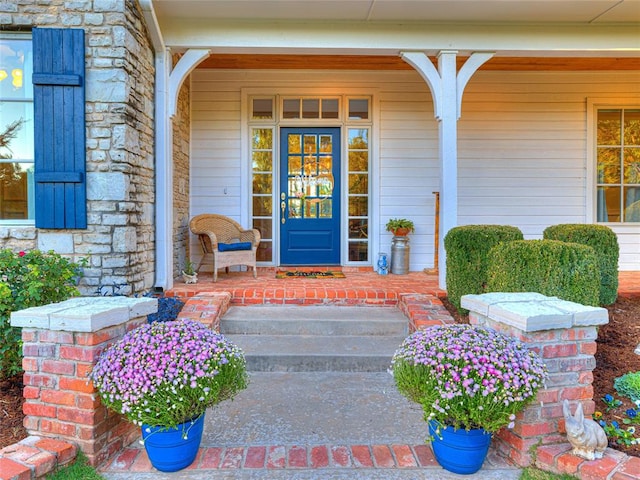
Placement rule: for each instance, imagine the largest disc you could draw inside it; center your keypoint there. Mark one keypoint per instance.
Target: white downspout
(164, 175)
(447, 87)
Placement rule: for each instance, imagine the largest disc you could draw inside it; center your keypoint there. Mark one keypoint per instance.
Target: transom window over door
(618, 165)
(310, 108)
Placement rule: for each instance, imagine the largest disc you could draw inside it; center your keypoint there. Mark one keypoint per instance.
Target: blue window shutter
(59, 128)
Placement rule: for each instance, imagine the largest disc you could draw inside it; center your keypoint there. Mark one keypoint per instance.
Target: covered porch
(412, 61)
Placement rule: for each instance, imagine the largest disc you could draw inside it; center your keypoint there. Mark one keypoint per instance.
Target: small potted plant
(189, 275)
(163, 376)
(470, 381)
(400, 227)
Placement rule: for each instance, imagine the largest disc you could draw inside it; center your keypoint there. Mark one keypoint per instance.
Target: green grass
(532, 473)
(78, 470)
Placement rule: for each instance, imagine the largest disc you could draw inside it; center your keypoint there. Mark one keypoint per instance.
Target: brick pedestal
(62, 342)
(564, 334)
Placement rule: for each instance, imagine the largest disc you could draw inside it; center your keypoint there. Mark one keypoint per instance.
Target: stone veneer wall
(120, 76)
(181, 151)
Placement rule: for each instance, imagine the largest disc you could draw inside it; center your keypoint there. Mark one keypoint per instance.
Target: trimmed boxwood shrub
(551, 267)
(467, 253)
(605, 243)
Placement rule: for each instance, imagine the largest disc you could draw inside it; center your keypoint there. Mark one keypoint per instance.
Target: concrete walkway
(318, 425)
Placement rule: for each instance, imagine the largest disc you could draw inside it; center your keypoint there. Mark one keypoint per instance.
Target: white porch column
(447, 87)
(168, 84)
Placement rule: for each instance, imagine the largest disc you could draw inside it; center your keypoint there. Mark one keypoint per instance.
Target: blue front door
(310, 196)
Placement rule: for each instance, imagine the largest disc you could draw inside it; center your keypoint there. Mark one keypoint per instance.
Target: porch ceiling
(468, 11)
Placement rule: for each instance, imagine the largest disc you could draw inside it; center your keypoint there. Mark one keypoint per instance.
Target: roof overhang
(370, 34)
(510, 28)
(405, 11)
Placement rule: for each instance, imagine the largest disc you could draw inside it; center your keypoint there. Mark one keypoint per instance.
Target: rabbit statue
(585, 436)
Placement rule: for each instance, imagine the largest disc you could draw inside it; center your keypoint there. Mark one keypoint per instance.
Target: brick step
(317, 462)
(316, 339)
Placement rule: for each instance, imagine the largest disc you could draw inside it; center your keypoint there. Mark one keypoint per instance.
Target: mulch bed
(11, 416)
(616, 342)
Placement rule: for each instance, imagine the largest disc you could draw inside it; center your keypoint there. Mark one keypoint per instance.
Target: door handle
(283, 206)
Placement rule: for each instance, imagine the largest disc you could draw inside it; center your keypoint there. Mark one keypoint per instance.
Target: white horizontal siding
(409, 167)
(629, 243)
(522, 147)
(215, 149)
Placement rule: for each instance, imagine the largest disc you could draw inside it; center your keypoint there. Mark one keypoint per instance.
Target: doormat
(312, 274)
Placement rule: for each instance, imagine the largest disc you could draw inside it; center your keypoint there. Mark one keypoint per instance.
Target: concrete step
(316, 353)
(316, 339)
(314, 320)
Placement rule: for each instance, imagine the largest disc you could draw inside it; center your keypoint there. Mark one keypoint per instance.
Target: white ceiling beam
(390, 39)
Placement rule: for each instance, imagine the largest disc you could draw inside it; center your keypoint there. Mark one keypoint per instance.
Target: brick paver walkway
(274, 457)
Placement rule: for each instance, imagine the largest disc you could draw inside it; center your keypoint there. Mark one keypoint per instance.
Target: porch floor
(360, 285)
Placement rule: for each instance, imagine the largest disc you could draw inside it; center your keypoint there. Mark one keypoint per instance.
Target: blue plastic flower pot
(460, 451)
(175, 449)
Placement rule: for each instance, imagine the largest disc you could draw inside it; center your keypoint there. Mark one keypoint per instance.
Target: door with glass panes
(309, 198)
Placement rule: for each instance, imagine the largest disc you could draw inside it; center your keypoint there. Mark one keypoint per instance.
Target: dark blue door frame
(309, 199)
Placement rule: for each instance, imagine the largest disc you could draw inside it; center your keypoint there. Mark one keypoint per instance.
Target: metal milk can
(400, 255)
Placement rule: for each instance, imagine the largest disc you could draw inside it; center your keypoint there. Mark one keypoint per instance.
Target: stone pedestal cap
(530, 311)
(85, 314)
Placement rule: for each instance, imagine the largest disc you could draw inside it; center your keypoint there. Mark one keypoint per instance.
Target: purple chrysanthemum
(467, 376)
(159, 373)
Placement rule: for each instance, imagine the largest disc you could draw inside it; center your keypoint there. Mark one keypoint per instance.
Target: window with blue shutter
(59, 128)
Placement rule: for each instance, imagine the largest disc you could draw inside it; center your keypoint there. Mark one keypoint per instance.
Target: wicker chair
(214, 230)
